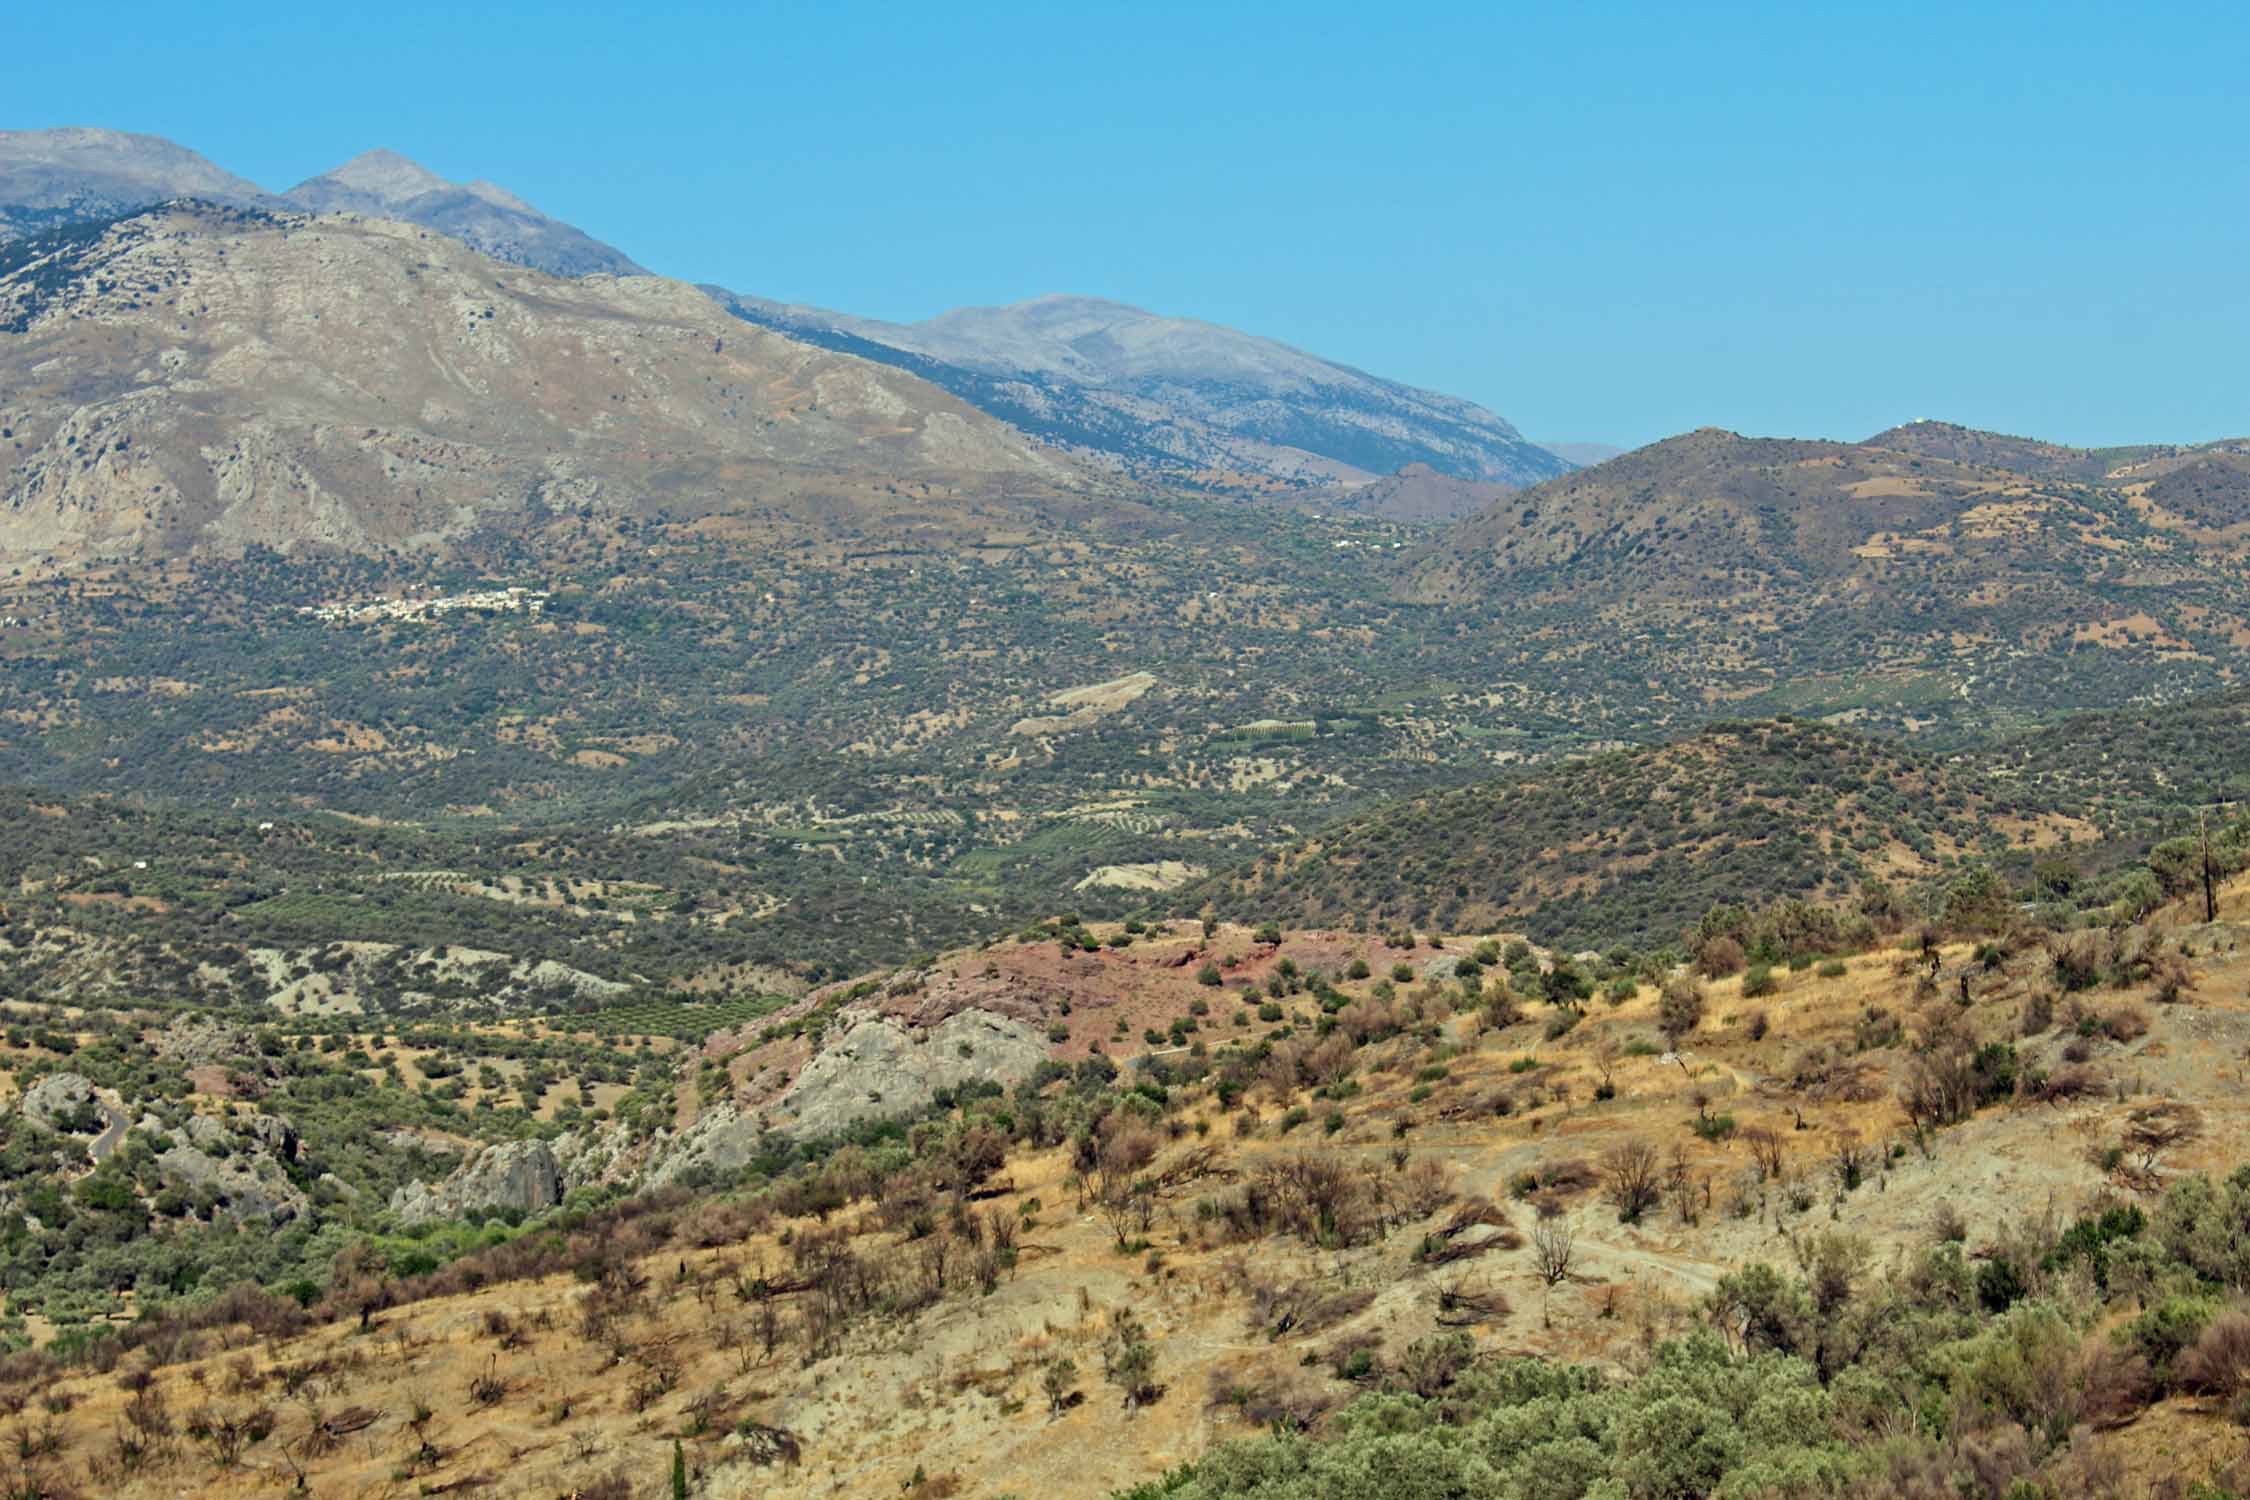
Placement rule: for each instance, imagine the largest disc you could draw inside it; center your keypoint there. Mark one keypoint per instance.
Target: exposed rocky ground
(195, 378)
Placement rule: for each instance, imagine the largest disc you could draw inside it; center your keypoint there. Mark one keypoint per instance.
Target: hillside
(1383, 1196)
(1173, 397)
(1712, 516)
(1636, 845)
(1907, 591)
(51, 178)
(204, 379)
(2137, 773)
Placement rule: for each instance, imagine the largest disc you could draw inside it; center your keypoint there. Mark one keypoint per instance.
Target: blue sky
(1603, 221)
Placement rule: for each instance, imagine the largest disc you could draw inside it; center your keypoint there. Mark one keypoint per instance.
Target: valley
(616, 888)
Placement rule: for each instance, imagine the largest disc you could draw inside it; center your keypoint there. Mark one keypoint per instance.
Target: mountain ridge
(482, 215)
(1178, 394)
(52, 177)
(196, 377)
(1179, 401)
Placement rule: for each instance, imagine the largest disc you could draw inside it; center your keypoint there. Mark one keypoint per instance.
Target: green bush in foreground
(1932, 1379)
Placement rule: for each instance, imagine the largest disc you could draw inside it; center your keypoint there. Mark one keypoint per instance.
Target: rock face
(599, 1155)
(62, 1101)
(197, 378)
(879, 1068)
(276, 1136)
(483, 216)
(514, 1174)
(247, 1188)
(51, 177)
(1145, 389)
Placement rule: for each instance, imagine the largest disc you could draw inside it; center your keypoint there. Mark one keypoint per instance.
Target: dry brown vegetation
(997, 1308)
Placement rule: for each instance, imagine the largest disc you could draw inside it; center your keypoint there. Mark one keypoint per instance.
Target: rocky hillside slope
(199, 378)
(49, 178)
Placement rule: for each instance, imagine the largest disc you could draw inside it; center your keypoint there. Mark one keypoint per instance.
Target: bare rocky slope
(198, 377)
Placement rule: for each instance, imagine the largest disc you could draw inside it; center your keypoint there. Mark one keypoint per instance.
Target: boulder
(195, 1041)
(514, 1174)
(206, 1134)
(258, 1190)
(60, 1101)
(276, 1135)
(402, 1139)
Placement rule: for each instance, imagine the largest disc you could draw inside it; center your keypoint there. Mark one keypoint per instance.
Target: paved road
(108, 1140)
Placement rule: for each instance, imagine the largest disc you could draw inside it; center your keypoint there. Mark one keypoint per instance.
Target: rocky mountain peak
(488, 218)
(382, 174)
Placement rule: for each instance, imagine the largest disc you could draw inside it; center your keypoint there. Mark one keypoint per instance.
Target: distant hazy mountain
(1415, 493)
(1583, 455)
(481, 215)
(54, 177)
(1148, 391)
(51, 177)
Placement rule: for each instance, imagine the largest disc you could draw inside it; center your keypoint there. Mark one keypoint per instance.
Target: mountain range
(52, 177)
(1171, 399)
(197, 377)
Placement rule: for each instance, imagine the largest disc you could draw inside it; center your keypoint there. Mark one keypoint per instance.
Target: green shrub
(2168, 1327)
